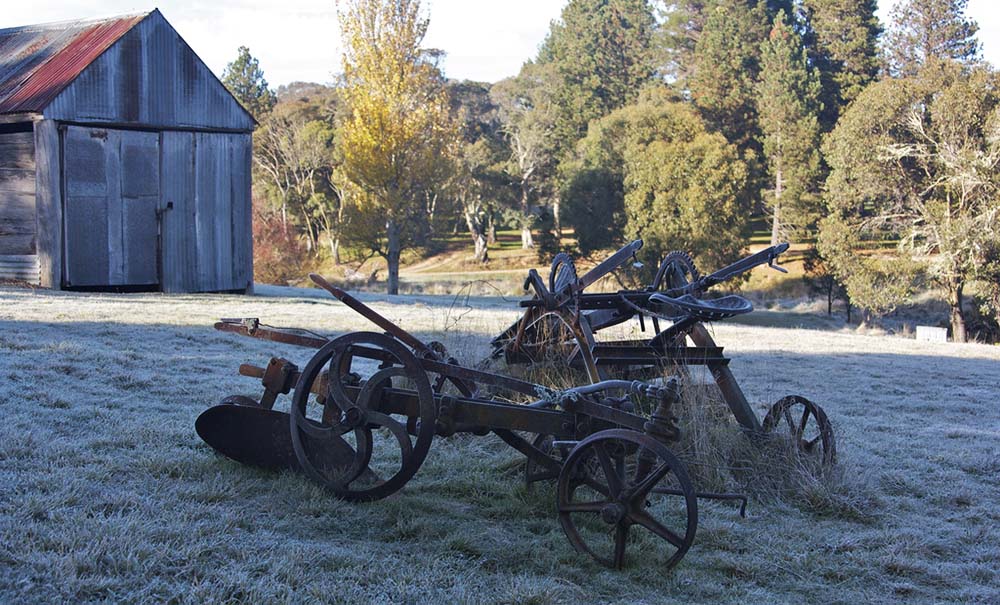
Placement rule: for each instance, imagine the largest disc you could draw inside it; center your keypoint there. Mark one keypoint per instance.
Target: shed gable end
(150, 78)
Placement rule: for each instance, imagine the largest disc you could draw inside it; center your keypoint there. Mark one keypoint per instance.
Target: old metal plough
(367, 406)
(364, 438)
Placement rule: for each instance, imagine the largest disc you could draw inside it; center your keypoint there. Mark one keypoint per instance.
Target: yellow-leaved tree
(398, 137)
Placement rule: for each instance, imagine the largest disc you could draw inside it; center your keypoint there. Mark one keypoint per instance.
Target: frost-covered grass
(107, 493)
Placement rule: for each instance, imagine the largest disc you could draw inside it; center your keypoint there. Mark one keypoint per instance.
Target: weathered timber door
(206, 231)
(111, 180)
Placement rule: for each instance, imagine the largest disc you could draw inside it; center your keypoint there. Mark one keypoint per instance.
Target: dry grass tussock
(771, 471)
(108, 495)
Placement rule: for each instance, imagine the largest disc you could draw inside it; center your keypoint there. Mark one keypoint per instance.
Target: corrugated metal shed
(38, 61)
(124, 161)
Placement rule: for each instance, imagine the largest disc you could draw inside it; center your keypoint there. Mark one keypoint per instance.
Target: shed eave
(23, 116)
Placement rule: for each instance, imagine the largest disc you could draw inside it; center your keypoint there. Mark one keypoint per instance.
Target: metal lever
(707, 496)
(771, 264)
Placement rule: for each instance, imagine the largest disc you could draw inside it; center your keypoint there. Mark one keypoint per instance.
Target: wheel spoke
(805, 418)
(614, 481)
(397, 429)
(598, 487)
(621, 537)
(315, 429)
(644, 519)
(787, 412)
(362, 457)
(650, 481)
(583, 507)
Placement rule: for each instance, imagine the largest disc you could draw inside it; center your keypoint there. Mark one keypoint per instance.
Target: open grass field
(108, 495)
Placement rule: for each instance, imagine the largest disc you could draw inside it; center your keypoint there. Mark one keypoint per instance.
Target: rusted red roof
(38, 61)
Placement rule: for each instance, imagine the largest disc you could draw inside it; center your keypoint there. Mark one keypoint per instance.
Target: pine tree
(726, 63)
(680, 28)
(925, 30)
(843, 46)
(601, 52)
(245, 79)
(788, 100)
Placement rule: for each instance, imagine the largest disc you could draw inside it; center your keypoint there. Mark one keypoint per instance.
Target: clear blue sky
(298, 39)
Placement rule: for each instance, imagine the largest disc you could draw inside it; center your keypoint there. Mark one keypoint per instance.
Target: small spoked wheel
(677, 269)
(620, 486)
(562, 273)
(805, 424)
(360, 446)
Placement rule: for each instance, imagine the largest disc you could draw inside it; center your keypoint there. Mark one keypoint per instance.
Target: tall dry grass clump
(770, 469)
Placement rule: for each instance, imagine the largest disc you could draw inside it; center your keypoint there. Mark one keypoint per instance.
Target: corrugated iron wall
(112, 188)
(134, 197)
(150, 78)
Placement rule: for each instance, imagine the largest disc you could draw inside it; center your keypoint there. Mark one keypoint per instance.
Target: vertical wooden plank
(206, 169)
(178, 206)
(115, 209)
(242, 214)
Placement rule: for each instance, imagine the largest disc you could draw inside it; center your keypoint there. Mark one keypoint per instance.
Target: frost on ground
(107, 494)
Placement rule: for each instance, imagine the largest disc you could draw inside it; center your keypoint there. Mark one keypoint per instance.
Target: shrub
(279, 256)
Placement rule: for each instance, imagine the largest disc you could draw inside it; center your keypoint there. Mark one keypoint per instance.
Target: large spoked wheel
(805, 424)
(616, 480)
(556, 337)
(384, 456)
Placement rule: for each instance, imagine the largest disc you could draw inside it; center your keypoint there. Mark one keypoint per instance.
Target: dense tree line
(678, 122)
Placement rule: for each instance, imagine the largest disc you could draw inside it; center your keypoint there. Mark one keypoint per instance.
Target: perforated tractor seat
(703, 310)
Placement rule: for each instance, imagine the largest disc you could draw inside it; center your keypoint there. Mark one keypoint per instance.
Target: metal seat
(687, 305)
